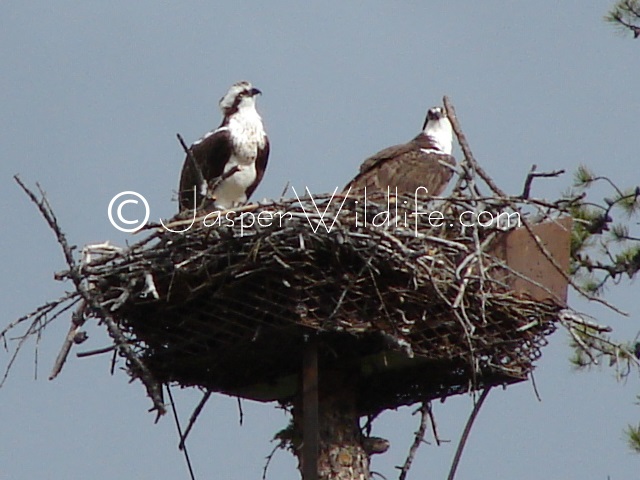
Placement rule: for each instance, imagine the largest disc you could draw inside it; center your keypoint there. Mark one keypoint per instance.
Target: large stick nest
(413, 311)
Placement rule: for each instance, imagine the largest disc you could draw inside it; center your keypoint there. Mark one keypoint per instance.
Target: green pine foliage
(625, 15)
(633, 437)
(605, 249)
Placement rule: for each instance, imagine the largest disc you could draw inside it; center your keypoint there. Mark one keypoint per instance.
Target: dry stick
(379, 475)
(114, 357)
(240, 412)
(42, 310)
(419, 438)
(464, 145)
(37, 349)
(469, 158)
(193, 418)
(199, 177)
(77, 320)
(468, 164)
(216, 183)
(583, 346)
(434, 427)
(33, 327)
(141, 371)
(177, 420)
(285, 189)
(533, 174)
(465, 433)
(268, 458)
(30, 331)
(535, 387)
(98, 351)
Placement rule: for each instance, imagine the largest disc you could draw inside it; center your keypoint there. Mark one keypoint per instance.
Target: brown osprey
(425, 161)
(229, 161)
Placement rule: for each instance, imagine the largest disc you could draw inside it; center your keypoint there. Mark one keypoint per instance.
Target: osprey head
(433, 115)
(438, 128)
(240, 94)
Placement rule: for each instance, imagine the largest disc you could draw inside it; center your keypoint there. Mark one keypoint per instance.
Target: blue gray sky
(92, 95)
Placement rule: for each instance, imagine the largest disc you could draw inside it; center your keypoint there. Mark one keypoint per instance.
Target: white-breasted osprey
(425, 161)
(229, 161)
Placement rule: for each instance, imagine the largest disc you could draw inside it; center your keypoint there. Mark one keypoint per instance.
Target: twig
(417, 441)
(218, 180)
(37, 349)
(535, 387)
(582, 345)
(114, 357)
(240, 412)
(285, 189)
(533, 174)
(434, 427)
(177, 421)
(196, 168)
(465, 433)
(139, 369)
(36, 325)
(193, 418)
(39, 312)
(466, 150)
(22, 341)
(98, 351)
(268, 458)
(77, 320)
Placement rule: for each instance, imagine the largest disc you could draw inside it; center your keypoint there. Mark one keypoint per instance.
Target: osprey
(425, 161)
(228, 163)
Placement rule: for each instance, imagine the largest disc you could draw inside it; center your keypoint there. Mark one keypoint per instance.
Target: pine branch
(626, 15)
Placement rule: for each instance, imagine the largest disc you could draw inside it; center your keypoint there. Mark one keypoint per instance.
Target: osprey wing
(375, 162)
(211, 153)
(410, 172)
(384, 155)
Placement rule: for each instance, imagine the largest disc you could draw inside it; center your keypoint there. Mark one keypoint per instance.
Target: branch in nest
(196, 168)
(210, 187)
(98, 351)
(466, 150)
(77, 320)
(533, 174)
(218, 180)
(139, 369)
(40, 319)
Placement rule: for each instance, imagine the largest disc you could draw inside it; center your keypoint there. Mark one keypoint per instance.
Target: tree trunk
(341, 455)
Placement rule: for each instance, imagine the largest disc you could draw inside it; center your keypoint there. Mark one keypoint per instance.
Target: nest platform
(409, 310)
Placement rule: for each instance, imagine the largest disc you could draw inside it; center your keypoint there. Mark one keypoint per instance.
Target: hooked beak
(255, 91)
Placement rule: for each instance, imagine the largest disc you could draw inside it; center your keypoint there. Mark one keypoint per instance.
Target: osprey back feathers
(231, 159)
(425, 161)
